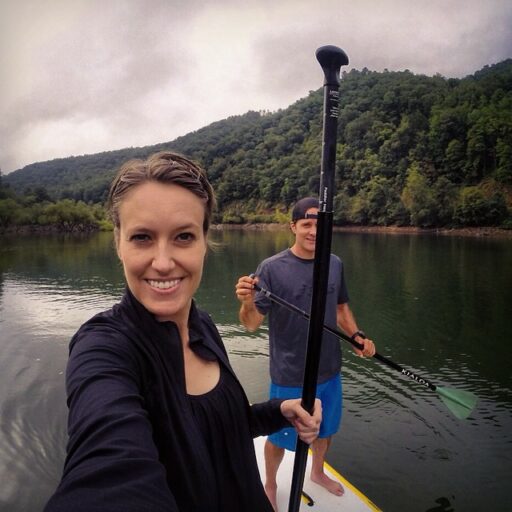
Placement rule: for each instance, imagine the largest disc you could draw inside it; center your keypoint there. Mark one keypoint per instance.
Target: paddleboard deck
(315, 497)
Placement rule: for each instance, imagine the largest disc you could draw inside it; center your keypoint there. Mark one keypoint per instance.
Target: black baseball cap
(302, 206)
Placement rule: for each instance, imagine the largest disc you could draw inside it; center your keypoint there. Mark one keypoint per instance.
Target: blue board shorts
(329, 392)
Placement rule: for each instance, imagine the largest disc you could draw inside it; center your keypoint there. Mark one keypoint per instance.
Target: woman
(157, 419)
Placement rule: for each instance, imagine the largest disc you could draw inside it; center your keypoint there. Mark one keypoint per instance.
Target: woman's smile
(163, 285)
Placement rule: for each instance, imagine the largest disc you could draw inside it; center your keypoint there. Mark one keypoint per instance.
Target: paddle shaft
(331, 59)
(339, 334)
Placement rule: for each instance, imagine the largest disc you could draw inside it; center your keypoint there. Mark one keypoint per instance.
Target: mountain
(412, 149)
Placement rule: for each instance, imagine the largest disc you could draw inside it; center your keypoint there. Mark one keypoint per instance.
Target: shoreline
(479, 232)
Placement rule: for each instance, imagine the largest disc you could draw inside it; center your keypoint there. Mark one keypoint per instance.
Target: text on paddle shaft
(334, 97)
(415, 377)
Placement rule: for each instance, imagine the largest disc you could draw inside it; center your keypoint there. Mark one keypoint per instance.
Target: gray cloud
(88, 75)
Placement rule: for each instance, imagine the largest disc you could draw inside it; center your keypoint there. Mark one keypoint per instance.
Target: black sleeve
(266, 418)
(112, 462)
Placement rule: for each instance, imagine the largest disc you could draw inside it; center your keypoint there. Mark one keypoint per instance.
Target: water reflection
(438, 306)
(32, 443)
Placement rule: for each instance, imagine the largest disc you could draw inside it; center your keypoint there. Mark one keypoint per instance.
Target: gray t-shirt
(291, 278)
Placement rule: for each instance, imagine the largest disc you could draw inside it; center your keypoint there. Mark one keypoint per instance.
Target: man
(289, 275)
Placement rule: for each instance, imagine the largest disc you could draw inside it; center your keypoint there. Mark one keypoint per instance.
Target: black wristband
(361, 334)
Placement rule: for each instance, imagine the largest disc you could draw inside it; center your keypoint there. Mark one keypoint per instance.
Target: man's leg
(320, 447)
(273, 458)
(277, 442)
(330, 392)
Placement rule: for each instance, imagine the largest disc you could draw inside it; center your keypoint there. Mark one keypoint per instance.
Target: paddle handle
(331, 58)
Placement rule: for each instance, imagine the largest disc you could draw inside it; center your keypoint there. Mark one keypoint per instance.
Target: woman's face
(162, 247)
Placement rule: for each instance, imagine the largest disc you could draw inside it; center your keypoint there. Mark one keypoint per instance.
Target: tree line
(36, 210)
(412, 150)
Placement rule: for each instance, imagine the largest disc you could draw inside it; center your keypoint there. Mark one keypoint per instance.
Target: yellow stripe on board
(355, 490)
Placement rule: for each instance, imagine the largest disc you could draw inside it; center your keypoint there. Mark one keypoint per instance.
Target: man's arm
(249, 315)
(346, 321)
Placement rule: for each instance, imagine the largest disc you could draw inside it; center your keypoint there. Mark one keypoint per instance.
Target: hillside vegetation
(412, 151)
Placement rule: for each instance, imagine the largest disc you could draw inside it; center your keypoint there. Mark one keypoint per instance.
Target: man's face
(305, 235)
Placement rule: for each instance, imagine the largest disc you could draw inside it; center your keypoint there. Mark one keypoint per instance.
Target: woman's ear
(116, 242)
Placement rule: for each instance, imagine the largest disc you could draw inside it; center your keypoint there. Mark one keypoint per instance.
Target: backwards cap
(302, 206)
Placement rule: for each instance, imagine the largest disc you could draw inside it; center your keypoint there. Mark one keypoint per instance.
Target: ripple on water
(32, 441)
(44, 308)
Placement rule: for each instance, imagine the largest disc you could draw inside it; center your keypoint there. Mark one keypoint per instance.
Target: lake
(438, 305)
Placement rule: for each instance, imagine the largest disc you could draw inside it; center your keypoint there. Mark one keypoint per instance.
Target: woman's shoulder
(103, 346)
(201, 319)
(205, 325)
(109, 330)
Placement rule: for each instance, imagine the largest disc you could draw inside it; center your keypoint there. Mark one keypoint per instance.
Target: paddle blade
(461, 403)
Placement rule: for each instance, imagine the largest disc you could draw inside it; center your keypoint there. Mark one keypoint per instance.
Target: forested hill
(412, 150)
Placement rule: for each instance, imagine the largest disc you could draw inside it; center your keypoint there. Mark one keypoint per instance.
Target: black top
(134, 442)
(230, 446)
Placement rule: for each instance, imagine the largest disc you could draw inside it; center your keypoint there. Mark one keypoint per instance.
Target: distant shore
(487, 232)
(481, 232)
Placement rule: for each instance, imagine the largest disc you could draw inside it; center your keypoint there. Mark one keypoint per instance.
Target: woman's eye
(139, 237)
(186, 237)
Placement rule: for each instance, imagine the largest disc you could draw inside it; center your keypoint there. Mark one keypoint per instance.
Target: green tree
(504, 157)
(444, 196)
(69, 215)
(381, 201)
(418, 199)
(446, 125)
(342, 207)
(474, 209)
(359, 210)
(9, 212)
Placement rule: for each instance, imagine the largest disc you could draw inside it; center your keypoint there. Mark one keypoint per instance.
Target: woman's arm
(112, 462)
(273, 415)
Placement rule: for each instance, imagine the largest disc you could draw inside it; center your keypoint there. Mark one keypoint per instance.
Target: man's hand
(249, 315)
(368, 347)
(244, 289)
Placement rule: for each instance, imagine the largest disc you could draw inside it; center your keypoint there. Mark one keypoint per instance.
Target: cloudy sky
(84, 76)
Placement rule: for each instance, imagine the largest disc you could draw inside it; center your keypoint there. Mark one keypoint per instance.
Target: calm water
(438, 306)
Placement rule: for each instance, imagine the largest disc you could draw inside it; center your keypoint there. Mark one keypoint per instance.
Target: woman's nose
(163, 260)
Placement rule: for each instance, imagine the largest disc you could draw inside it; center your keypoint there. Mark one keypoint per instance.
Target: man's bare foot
(271, 492)
(330, 484)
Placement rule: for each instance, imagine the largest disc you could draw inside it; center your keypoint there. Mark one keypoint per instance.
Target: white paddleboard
(316, 498)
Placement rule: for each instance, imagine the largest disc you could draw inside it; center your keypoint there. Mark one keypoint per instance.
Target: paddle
(461, 403)
(331, 59)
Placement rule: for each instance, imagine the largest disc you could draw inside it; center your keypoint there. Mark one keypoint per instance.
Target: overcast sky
(84, 76)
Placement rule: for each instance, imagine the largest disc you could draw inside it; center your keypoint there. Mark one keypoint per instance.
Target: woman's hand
(307, 425)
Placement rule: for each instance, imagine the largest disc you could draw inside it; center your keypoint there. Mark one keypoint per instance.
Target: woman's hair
(162, 167)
